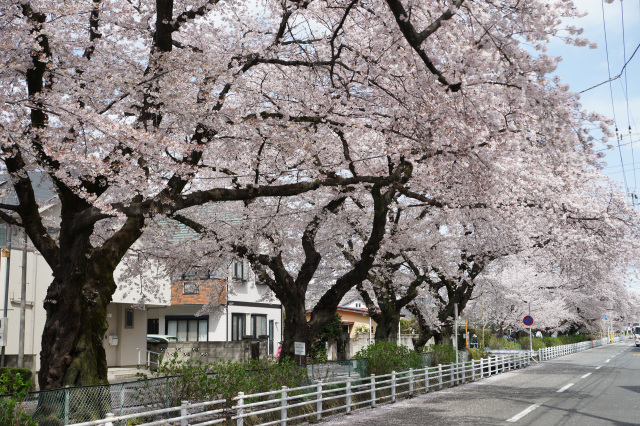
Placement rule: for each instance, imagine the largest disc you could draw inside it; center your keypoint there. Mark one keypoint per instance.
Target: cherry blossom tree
(140, 110)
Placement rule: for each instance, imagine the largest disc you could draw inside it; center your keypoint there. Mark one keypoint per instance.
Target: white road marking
(599, 367)
(608, 360)
(564, 388)
(523, 413)
(585, 376)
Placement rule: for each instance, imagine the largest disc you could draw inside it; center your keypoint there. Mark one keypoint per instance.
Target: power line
(626, 94)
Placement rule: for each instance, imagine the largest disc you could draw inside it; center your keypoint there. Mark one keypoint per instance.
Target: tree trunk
(296, 329)
(72, 352)
(387, 324)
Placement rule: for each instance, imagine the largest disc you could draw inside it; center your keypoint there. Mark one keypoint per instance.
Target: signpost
(528, 321)
(299, 350)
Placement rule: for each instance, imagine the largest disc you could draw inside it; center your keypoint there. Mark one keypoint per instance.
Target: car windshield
(637, 330)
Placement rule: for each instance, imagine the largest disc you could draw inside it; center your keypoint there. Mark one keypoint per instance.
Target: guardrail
(313, 401)
(556, 351)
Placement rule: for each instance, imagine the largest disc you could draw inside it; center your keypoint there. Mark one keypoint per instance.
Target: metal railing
(151, 357)
(556, 351)
(311, 402)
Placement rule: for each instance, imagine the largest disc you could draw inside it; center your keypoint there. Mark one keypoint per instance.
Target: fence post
(426, 379)
(481, 368)
(473, 369)
(184, 412)
(440, 376)
(66, 405)
(393, 386)
(138, 355)
(489, 364)
(373, 391)
(240, 410)
(121, 398)
(107, 417)
(411, 381)
(464, 371)
(348, 402)
(319, 400)
(452, 376)
(283, 404)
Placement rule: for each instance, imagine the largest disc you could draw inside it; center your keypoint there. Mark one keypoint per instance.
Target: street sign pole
(530, 339)
(455, 310)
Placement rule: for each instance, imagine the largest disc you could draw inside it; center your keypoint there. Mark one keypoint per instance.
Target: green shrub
(501, 343)
(443, 354)
(537, 342)
(12, 382)
(195, 381)
(573, 338)
(476, 353)
(385, 357)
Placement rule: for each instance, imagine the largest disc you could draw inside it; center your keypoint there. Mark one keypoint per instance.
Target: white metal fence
(312, 402)
(556, 351)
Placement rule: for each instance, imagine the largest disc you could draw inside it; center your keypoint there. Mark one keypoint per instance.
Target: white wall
(154, 284)
(38, 279)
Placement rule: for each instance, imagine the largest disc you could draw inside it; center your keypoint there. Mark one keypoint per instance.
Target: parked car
(161, 338)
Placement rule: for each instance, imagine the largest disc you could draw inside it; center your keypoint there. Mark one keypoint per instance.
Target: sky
(583, 68)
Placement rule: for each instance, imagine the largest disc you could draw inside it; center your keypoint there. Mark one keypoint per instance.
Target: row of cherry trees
(395, 146)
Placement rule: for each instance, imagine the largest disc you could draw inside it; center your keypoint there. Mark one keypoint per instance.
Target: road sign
(528, 321)
(299, 348)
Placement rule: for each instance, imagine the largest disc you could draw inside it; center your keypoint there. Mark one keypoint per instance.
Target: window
(191, 287)
(128, 318)
(240, 270)
(189, 329)
(258, 325)
(238, 326)
(153, 326)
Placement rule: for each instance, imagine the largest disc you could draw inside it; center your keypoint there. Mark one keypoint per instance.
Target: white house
(242, 308)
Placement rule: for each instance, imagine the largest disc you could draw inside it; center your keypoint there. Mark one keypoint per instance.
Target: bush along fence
(312, 402)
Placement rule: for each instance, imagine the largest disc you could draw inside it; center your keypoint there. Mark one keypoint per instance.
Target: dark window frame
(129, 318)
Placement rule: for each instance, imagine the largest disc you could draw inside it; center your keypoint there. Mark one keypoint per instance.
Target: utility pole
(23, 303)
(455, 327)
(6, 253)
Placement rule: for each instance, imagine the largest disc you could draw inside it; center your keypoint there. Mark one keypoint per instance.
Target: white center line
(564, 388)
(608, 360)
(599, 367)
(523, 413)
(586, 375)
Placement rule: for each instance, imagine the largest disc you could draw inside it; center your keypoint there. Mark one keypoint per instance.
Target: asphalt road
(599, 386)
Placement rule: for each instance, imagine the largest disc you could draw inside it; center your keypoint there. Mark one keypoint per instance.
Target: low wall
(210, 352)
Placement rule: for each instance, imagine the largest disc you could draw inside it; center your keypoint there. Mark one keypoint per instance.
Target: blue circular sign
(528, 321)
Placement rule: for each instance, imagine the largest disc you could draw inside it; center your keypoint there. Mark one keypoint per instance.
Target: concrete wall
(211, 352)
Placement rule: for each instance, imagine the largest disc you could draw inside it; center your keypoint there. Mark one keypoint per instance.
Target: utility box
(113, 340)
(3, 331)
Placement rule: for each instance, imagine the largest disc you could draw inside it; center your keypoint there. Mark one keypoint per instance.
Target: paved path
(600, 386)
